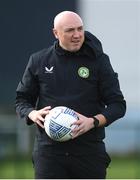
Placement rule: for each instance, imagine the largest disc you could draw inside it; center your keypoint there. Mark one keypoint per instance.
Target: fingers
(41, 116)
(43, 113)
(38, 116)
(78, 130)
(40, 123)
(46, 108)
(39, 119)
(82, 125)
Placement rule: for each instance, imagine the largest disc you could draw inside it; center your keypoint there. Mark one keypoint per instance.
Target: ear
(55, 33)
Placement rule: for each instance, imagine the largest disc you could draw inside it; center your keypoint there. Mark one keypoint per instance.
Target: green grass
(16, 169)
(124, 168)
(120, 168)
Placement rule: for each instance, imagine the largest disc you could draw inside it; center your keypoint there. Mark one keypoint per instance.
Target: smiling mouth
(75, 42)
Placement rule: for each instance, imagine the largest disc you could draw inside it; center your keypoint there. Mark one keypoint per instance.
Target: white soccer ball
(58, 123)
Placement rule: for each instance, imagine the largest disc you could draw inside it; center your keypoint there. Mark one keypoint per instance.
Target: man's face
(70, 34)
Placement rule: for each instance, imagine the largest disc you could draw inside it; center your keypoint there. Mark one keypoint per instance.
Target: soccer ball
(58, 123)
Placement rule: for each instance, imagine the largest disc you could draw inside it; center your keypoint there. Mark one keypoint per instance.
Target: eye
(80, 28)
(69, 30)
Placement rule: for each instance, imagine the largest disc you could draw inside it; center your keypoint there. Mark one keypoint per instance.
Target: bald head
(68, 29)
(66, 17)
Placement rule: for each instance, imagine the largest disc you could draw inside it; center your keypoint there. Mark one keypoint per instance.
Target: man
(74, 72)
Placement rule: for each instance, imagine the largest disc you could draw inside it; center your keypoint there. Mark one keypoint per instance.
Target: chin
(74, 49)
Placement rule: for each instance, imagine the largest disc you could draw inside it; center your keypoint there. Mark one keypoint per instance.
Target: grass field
(124, 168)
(120, 168)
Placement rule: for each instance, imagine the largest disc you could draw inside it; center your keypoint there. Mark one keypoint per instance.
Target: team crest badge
(83, 72)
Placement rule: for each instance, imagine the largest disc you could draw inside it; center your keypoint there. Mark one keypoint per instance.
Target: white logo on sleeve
(47, 70)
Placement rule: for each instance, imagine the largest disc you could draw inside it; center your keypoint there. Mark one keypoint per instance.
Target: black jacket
(52, 78)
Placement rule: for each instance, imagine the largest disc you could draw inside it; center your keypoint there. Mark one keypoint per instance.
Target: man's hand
(37, 116)
(83, 125)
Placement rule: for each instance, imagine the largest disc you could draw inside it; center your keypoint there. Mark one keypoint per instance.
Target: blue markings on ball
(57, 131)
(70, 112)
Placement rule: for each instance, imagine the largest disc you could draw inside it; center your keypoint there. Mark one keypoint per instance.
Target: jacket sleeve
(109, 90)
(27, 92)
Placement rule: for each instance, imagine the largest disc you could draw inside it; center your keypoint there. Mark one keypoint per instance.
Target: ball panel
(58, 131)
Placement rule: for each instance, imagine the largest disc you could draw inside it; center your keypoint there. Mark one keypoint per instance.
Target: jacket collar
(93, 43)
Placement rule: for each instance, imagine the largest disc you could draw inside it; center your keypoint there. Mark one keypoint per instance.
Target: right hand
(37, 116)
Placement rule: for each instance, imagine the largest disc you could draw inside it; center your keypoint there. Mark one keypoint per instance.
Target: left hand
(83, 125)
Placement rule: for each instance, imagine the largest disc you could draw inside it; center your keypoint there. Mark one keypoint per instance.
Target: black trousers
(70, 166)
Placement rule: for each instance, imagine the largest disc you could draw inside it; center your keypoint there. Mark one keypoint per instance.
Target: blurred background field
(26, 27)
(120, 168)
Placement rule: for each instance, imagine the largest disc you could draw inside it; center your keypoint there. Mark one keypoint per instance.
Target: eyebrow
(72, 28)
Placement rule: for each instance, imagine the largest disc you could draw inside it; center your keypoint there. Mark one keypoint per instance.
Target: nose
(76, 34)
